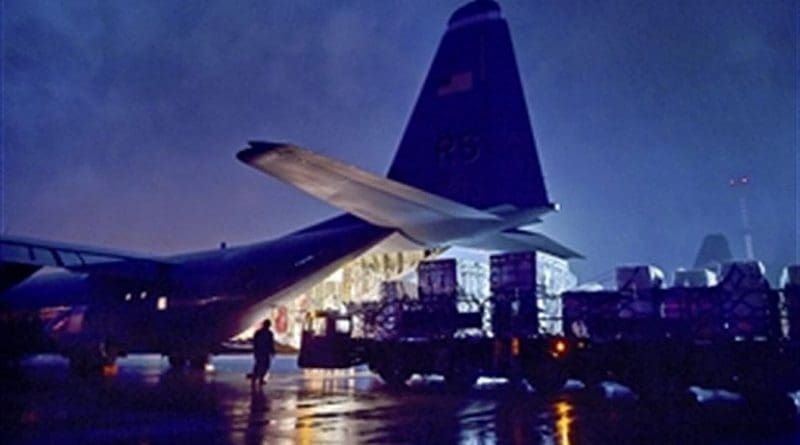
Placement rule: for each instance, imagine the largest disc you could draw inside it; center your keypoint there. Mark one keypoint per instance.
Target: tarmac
(145, 402)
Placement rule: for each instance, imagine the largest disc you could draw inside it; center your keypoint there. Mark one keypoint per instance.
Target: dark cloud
(121, 118)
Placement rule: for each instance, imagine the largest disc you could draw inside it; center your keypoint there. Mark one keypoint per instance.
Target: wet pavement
(146, 403)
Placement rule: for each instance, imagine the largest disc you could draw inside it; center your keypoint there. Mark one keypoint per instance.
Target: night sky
(121, 118)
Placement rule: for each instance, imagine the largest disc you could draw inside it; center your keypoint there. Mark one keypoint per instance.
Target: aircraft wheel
(546, 377)
(462, 376)
(177, 361)
(394, 376)
(199, 362)
(85, 365)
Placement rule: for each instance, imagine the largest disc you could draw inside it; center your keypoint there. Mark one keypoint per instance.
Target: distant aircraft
(714, 251)
(466, 173)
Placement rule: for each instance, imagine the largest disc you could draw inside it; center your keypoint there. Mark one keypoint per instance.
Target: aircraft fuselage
(202, 299)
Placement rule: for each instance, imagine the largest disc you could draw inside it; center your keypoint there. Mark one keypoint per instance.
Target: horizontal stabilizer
(422, 216)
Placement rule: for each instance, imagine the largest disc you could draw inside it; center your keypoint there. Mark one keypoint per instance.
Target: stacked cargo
(687, 309)
(639, 279)
(437, 281)
(740, 307)
(432, 314)
(429, 311)
(694, 278)
(591, 315)
(640, 301)
(383, 319)
(513, 287)
(630, 312)
(748, 307)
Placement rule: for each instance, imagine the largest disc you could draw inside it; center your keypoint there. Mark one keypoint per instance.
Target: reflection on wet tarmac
(563, 420)
(146, 402)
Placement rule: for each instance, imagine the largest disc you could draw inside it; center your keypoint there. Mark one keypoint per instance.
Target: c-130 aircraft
(466, 173)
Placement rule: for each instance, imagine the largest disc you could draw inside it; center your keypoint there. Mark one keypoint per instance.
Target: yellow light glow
(515, 347)
(110, 370)
(563, 422)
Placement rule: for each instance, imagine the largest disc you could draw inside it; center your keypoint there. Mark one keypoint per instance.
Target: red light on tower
(742, 180)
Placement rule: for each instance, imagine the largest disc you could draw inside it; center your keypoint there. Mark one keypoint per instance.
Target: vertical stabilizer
(714, 251)
(469, 138)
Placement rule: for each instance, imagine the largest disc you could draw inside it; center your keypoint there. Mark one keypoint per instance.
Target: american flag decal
(457, 83)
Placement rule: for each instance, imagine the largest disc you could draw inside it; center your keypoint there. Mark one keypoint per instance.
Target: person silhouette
(263, 351)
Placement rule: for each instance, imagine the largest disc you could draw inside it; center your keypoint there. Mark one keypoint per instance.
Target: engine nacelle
(81, 333)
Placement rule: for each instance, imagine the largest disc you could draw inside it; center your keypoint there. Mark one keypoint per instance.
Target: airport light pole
(741, 185)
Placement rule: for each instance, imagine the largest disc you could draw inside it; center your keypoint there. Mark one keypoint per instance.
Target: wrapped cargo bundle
(752, 314)
(437, 280)
(431, 313)
(693, 313)
(381, 319)
(790, 282)
(513, 272)
(718, 314)
(407, 317)
(694, 278)
(514, 287)
(749, 307)
(638, 316)
(741, 275)
(635, 279)
(638, 307)
(790, 277)
(592, 315)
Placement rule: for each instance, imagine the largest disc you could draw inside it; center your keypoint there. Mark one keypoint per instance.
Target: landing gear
(547, 378)
(176, 361)
(394, 376)
(197, 362)
(462, 376)
(85, 365)
(86, 362)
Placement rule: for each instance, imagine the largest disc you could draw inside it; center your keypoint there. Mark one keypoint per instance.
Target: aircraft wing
(421, 216)
(38, 253)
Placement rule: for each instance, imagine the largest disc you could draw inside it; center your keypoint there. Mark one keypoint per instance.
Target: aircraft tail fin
(713, 251)
(469, 138)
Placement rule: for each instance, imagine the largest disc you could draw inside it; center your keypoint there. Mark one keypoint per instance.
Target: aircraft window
(95, 259)
(342, 326)
(43, 255)
(161, 303)
(143, 295)
(13, 252)
(70, 259)
(128, 296)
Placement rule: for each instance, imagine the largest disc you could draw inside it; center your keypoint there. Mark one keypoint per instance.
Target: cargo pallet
(738, 335)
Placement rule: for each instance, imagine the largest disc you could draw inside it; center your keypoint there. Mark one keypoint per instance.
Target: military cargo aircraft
(466, 173)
